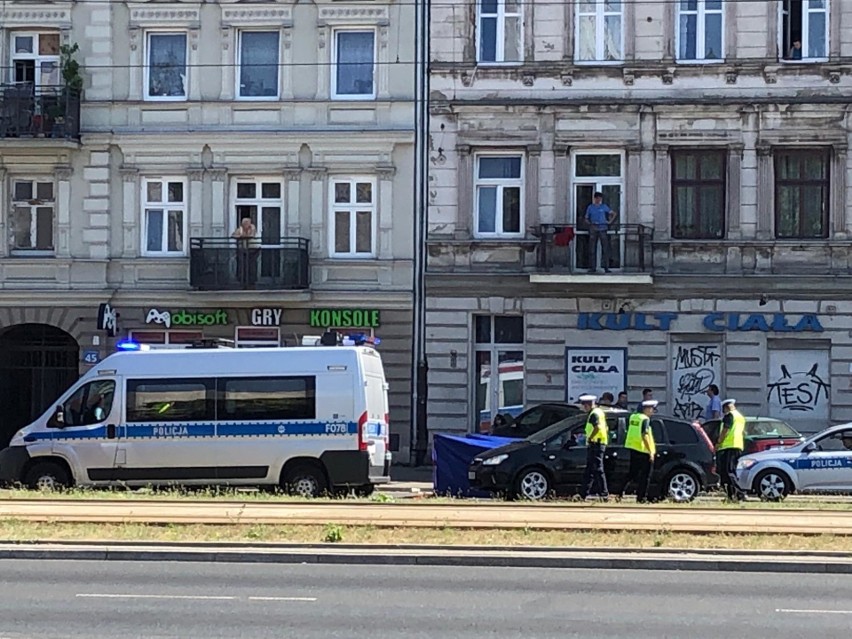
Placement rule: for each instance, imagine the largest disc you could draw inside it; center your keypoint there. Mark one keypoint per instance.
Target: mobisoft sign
(187, 318)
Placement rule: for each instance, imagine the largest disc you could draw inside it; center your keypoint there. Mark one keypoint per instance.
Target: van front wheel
(47, 476)
(305, 480)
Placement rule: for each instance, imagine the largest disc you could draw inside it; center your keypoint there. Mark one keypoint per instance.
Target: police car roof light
(130, 345)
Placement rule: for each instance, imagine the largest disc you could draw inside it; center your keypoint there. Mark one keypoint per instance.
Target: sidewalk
(429, 515)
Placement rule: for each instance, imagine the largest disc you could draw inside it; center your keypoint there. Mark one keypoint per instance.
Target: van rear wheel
(47, 476)
(305, 480)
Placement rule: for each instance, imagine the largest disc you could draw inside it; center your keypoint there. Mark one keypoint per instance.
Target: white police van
(309, 420)
(821, 463)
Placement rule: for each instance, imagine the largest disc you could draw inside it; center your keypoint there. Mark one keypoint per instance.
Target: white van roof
(229, 361)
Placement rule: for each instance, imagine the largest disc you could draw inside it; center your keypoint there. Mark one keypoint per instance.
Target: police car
(821, 463)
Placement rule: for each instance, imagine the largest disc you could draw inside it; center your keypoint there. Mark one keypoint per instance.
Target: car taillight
(704, 436)
(362, 442)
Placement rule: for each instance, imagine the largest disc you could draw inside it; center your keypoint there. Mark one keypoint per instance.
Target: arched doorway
(37, 363)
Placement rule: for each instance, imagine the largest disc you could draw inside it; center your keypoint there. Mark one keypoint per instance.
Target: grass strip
(15, 530)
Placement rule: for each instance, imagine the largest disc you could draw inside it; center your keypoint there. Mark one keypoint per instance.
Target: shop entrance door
(37, 364)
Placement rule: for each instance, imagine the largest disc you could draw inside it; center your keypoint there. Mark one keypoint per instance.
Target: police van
(309, 420)
(820, 464)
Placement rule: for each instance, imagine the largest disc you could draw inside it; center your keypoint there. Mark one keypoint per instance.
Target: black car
(553, 460)
(533, 419)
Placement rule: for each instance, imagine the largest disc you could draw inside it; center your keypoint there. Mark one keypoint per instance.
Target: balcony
(27, 111)
(223, 264)
(563, 252)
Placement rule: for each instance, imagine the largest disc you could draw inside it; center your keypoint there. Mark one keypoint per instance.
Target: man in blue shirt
(714, 406)
(599, 216)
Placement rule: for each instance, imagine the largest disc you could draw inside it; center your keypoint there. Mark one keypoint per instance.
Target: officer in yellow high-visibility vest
(643, 449)
(729, 448)
(597, 437)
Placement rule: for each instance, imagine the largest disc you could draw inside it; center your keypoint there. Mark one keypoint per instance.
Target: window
(804, 29)
(699, 31)
(500, 31)
(834, 442)
(499, 353)
(35, 58)
(257, 337)
(353, 213)
(258, 65)
(169, 400)
(599, 31)
(698, 195)
(166, 70)
(597, 172)
(801, 194)
(354, 72)
(680, 433)
(90, 404)
(163, 216)
(159, 340)
(262, 398)
(33, 207)
(499, 195)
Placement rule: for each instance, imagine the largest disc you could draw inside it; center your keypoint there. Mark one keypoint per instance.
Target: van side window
(169, 400)
(259, 398)
(90, 404)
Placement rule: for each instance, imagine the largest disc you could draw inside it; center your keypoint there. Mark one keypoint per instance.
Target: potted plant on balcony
(72, 86)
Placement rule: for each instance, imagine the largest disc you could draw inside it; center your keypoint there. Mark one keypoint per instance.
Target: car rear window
(681, 433)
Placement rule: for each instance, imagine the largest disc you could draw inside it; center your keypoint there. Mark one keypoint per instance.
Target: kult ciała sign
(716, 322)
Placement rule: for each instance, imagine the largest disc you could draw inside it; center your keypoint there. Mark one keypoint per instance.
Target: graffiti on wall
(799, 384)
(694, 368)
(798, 391)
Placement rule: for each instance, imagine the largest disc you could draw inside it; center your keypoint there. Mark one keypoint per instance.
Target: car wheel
(305, 481)
(682, 486)
(532, 484)
(772, 485)
(47, 476)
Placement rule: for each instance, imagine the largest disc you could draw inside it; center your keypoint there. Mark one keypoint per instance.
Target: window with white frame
(258, 65)
(354, 73)
(499, 31)
(499, 195)
(260, 200)
(353, 217)
(700, 30)
(600, 34)
(166, 66)
(35, 58)
(33, 209)
(163, 216)
(804, 29)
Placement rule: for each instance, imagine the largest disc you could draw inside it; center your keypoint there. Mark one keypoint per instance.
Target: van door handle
(110, 431)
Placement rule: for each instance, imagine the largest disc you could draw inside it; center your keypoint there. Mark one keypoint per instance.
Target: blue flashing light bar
(130, 345)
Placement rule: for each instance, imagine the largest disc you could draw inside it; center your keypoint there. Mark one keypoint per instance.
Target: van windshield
(554, 429)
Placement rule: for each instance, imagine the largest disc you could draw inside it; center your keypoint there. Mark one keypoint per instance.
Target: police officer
(640, 442)
(597, 438)
(729, 448)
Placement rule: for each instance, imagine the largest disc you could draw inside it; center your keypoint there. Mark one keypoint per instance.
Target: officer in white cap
(643, 449)
(729, 448)
(597, 437)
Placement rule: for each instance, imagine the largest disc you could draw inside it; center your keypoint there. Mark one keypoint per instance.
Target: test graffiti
(799, 391)
(694, 368)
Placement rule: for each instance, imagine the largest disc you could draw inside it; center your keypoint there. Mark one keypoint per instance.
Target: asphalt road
(110, 600)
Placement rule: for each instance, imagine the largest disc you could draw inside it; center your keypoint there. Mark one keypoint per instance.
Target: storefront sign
(266, 317)
(107, 320)
(595, 371)
(187, 318)
(716, 322)
(344, 318)
(777, 323)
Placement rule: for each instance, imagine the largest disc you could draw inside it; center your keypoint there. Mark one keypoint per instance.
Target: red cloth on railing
(563, 236)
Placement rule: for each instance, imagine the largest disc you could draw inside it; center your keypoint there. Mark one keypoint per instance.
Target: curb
(479, 559)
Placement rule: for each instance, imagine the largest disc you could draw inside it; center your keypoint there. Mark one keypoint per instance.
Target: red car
(761, 433)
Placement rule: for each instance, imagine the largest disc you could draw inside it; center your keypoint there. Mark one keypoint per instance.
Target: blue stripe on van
(177, 430)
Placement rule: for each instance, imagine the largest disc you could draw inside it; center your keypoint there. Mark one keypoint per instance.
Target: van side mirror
(58, 419)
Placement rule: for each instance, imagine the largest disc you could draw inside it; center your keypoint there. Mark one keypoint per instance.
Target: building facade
(119, 203)
(717, 133)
